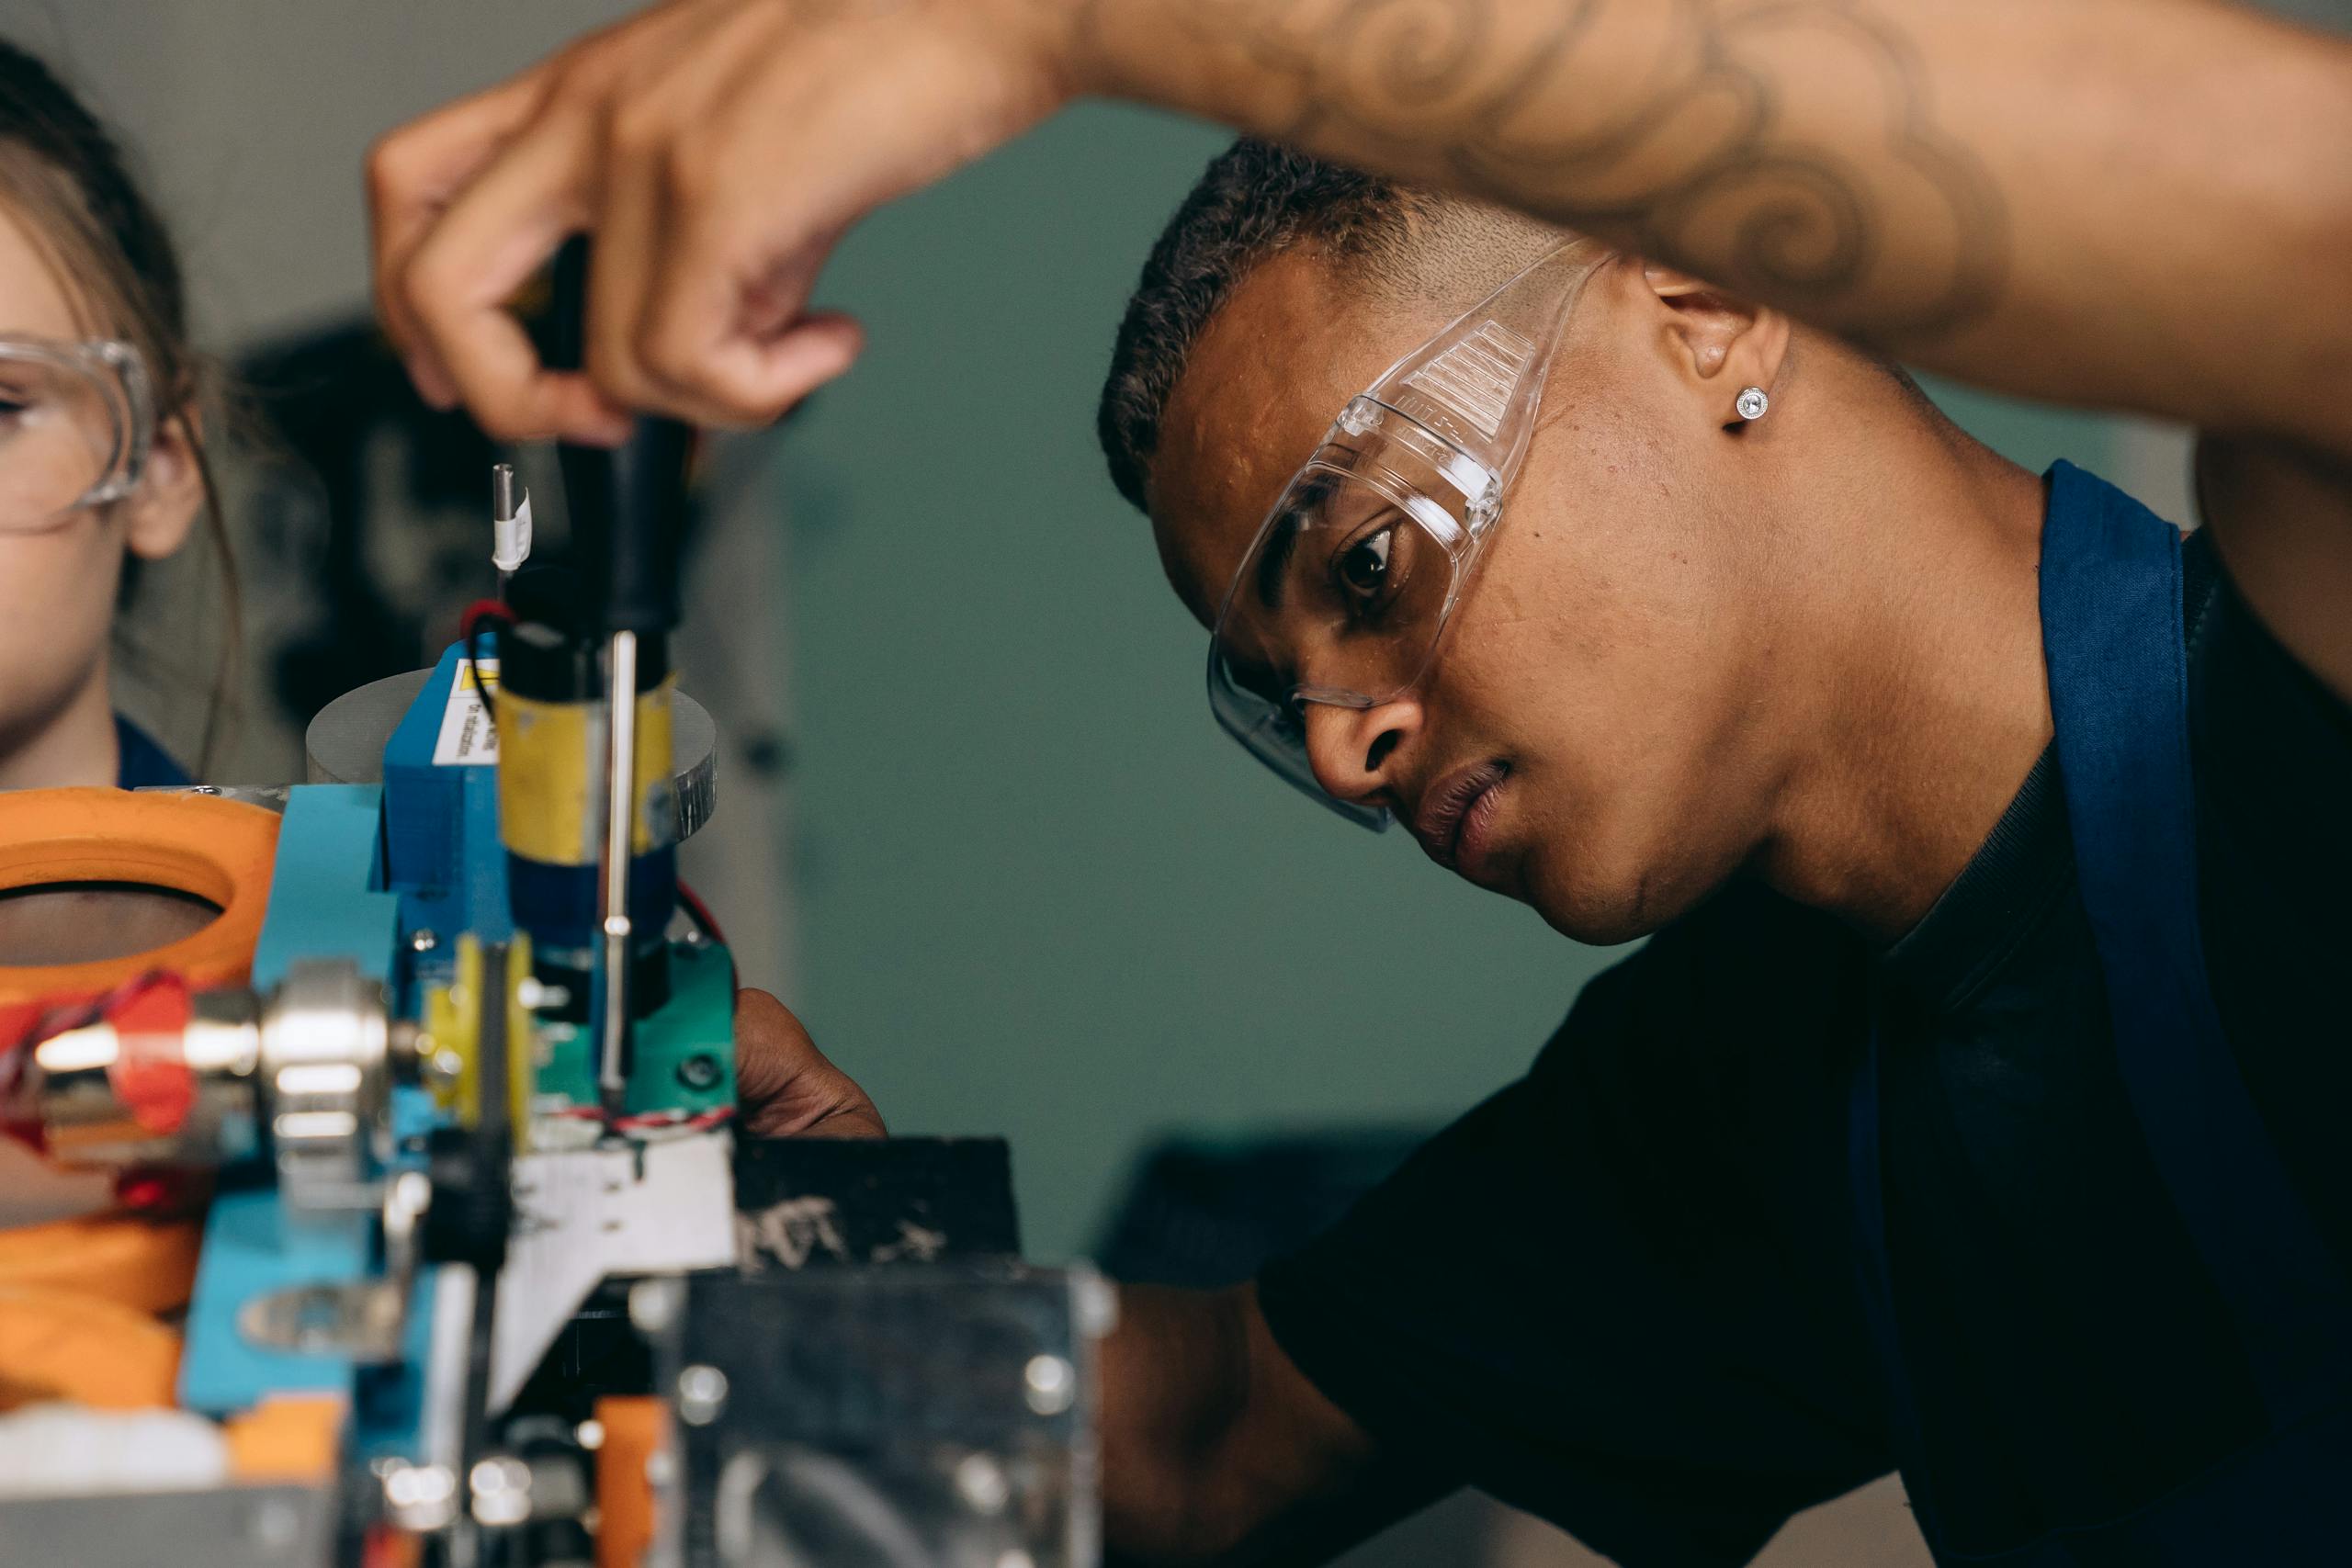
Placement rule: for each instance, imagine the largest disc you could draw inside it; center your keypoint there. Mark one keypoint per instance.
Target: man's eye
(1364, 566)
(1371, 569)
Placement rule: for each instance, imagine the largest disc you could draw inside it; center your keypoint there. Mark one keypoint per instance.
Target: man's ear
(1726, 343)
(158, 515)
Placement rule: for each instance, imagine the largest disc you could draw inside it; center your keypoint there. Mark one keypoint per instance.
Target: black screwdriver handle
(627, 504)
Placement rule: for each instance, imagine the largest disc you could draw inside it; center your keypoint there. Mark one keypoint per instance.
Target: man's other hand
(785, 1086)
(716, 150)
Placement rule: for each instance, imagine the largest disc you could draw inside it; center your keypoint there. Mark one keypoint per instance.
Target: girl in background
(102, 460)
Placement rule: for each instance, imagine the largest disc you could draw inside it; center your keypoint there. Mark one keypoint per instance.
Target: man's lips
(1454, 814)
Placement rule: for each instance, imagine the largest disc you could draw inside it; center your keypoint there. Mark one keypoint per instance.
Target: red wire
(470, 620)
(698, 1122)
(701, 912)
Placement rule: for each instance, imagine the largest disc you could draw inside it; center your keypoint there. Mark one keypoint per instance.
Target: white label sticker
(467, 735)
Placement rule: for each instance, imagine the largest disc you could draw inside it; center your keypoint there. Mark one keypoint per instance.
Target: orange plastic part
(216, 849)
(59, 1345)
(293, 1437)
(146, 1265)
(636, 1429)
(386, 1547)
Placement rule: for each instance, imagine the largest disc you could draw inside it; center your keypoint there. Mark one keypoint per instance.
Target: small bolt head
(502, 1491)
(420, 1497)
(537, 996)
(276, 1524)
(653, 1305)
(981, 1482)
(702, 1394)
(1051, 1383)
(700, 1071)
(425, 940)
(1095, 1302)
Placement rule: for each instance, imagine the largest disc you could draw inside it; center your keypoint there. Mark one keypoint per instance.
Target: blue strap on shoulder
(2118, 693)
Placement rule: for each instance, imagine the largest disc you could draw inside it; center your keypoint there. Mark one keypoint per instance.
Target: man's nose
(1353, 749)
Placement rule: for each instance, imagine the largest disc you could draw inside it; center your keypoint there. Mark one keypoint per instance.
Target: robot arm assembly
(444, 1248)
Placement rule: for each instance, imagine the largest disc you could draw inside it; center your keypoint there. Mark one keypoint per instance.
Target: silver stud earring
(1751, 403)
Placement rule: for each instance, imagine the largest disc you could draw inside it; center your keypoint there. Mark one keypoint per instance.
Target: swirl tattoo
(1716, 135)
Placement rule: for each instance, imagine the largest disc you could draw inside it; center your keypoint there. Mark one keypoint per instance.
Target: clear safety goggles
(76, 422)
(1344, 594)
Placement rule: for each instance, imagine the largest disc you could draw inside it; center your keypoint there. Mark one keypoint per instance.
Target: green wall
(1039, 893)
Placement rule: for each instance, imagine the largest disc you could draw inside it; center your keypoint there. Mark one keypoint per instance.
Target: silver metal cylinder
(305, 1073)
(326, 1079)
(73, 1089)
(612, 902)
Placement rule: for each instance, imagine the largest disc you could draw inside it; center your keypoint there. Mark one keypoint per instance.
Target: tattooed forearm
(1788, 147)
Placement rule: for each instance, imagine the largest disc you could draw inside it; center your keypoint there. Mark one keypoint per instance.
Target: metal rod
(612, 901)
(441, 1429)
(509, 523)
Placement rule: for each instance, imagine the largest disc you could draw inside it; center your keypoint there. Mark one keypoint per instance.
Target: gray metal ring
(346, 743)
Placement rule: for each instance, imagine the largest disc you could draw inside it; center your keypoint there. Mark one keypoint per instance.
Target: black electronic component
(627, 504)
(886, 1200)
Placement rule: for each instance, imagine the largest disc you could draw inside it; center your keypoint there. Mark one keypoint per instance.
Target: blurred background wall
(995, 851)
(1031, 890)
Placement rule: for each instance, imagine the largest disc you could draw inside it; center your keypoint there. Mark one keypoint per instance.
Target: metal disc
(346, 743)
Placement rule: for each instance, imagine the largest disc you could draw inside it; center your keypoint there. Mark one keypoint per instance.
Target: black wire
(473, 668)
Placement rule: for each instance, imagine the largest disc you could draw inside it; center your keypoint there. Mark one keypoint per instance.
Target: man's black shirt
(1623, 1293)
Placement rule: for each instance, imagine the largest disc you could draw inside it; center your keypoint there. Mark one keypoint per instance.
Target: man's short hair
(1253, 202)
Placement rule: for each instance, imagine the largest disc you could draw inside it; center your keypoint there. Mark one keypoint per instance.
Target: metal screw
(424, 941)
(421, 1496)
(702, 1394)
(702, 1070)
(276, 1524)
(653, 1305)
(501, 1488)
(981, 1482)
(1052, 1384)
(1095, 1302)
(537, 996)
(590, 1435)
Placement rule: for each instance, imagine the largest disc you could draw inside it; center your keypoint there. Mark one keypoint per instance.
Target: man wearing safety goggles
(1975, 1110)
(1651, 608)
